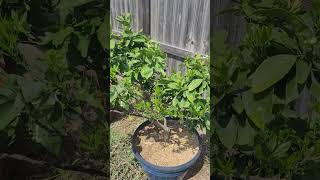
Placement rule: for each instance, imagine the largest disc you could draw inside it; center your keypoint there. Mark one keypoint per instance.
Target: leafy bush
(136, 60)
(265, 92)
(138, 78)
(40, 95)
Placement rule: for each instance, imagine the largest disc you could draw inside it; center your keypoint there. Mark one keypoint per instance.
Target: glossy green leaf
(30, 89)
(282, 149)
(146, 72)
(228, 135)
(303, 70)
(103, 34)
(194, 84)
(271, 71)
(112, 43)
(259, 110)
(10, 110)
(246, 135)
(315, 88)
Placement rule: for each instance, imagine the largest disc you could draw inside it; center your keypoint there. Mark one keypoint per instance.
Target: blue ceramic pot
(155, 172)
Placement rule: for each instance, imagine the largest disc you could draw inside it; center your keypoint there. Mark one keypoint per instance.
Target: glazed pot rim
(167, 169)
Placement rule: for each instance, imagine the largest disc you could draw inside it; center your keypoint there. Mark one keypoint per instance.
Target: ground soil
(180, 147)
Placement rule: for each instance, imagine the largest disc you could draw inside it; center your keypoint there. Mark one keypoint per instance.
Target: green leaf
(103, 34)
(146, 72)
(194, 84)
(112, 43)
(139, 40)
(67, 7)
(191, 97)
(303, 70)
(113, 93)
(132, 62)
(258, 109)
(5, 92)
(246, 135)
(10, 110)
(47, 140)
(60, 36)
(83, 45)
(288, 113)
(271, 71)
(291, 90)
(315, 88)
(30, 89)
(282, 149)
(228, 135)
(173, 85)
(124, 105)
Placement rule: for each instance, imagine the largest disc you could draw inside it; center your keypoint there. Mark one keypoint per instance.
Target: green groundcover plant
(265, 93)
(139, 83)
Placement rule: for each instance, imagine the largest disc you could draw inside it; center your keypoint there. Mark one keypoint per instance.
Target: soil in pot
(180, 148)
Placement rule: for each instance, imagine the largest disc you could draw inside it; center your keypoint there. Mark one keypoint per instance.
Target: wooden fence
(180, 26)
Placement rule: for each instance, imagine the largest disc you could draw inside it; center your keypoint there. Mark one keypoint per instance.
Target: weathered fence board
(180, 26)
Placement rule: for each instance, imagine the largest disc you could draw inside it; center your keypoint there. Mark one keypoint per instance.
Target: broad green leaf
(246, 135)
(315, 88)
(60, 36)
(124, 105)
(113, 93)
(194, 84)
(283, 38)
(282, 149)
(191, 97)
(259, 110)
(288, 113)
(10, 110)
(47, 140)
(83, 45)
(112, 43)
(30, 89)
(303, 70)
(103, 34)
(271, 71)
(173, 85)
(291, 90)
(139, 40)
(5, 92)
(228, 135)
(132, 62)
(146, 72)
(67, 7)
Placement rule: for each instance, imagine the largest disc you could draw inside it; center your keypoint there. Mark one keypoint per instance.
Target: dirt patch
(180, 148)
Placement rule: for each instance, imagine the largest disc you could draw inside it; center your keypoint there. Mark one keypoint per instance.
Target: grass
(123, 165)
